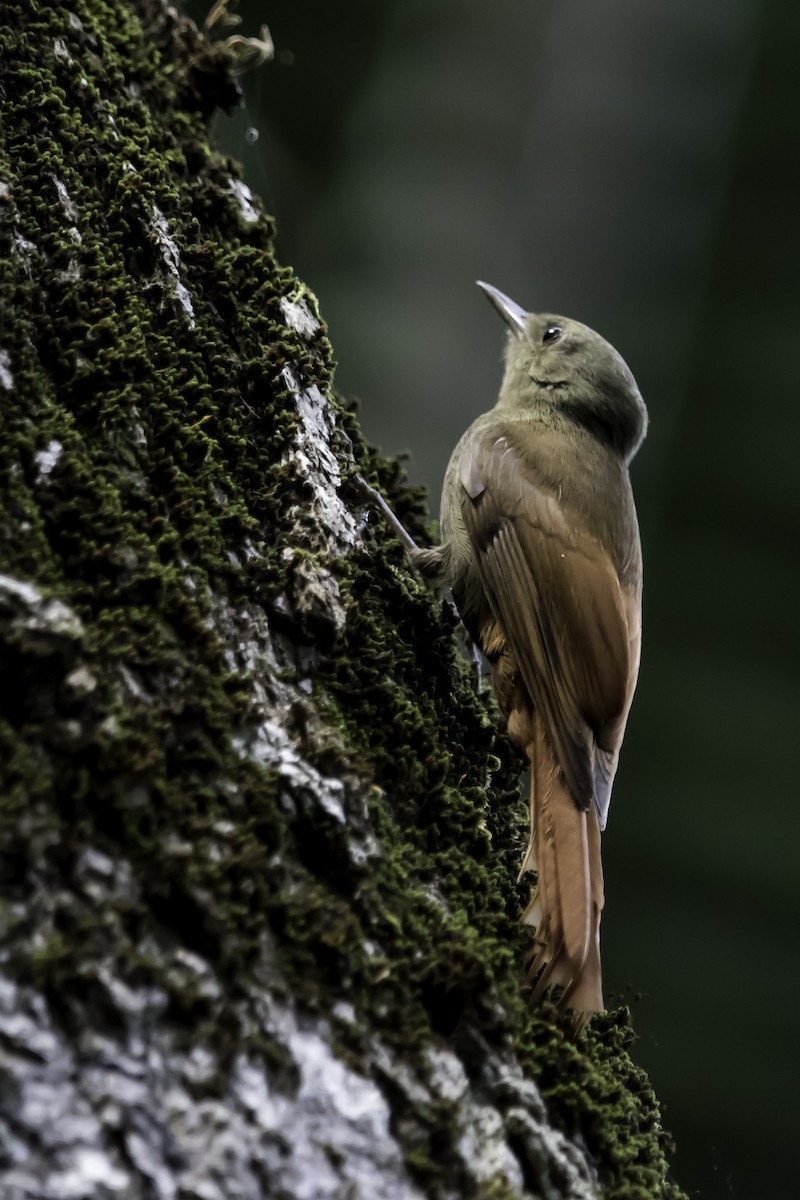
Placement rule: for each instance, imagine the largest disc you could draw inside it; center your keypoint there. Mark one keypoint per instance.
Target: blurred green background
(632, 163)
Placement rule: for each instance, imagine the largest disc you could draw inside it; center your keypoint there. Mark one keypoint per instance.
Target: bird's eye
(552, 333)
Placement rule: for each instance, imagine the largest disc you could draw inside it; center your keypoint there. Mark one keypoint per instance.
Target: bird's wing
(556, 596)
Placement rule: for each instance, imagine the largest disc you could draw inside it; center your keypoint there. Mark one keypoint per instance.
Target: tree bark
(259, 832)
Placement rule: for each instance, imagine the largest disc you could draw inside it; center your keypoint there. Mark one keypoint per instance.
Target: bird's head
(556, 362)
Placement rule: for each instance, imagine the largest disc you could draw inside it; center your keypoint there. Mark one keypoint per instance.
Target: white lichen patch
(33, 613)
(335, 1099)
(269, 745)
(6, 378)
(25, 250)
(70, 211)
(298, 316)
(46, 459)
(448, 1079)
(337, 532)
(483, 1144)
(247, 210)
(171, 259)
(133, 684)
(312, 455)
(270, 740)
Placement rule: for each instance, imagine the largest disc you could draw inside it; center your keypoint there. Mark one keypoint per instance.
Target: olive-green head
(555, 362)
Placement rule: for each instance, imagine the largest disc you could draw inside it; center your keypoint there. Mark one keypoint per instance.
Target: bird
(541, 551)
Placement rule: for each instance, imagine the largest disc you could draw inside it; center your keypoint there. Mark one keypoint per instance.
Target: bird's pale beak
(511, 313)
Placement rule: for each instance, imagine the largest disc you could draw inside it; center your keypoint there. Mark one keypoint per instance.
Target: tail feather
(568, 901)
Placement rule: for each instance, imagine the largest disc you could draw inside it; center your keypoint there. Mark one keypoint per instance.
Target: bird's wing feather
(555, 594)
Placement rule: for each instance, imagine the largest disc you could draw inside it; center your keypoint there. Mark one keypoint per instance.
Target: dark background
(632, 163)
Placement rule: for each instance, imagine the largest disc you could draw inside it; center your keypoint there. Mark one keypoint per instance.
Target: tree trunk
(259, 832)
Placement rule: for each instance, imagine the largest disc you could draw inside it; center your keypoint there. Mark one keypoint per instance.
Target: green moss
(170, 507)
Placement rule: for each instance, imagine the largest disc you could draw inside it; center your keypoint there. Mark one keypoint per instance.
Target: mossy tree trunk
(258, 832)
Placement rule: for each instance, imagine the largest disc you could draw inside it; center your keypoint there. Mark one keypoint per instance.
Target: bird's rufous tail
(568, 900)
